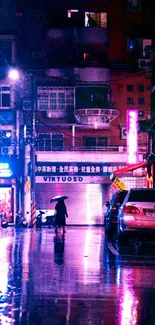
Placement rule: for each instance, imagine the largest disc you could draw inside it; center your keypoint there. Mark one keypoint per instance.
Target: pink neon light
(132, 137)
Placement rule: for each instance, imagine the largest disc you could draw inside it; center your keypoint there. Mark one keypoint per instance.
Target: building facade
(90, 64)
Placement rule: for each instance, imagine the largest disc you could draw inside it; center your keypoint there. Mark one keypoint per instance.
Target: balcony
(76, 36)
(97, 117)
(80, 153)
(63, 152)
(48, 146)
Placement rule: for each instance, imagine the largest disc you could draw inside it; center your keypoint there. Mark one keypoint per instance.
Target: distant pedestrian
(61, 214)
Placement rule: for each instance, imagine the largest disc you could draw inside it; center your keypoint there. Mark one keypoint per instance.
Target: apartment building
(90, 61)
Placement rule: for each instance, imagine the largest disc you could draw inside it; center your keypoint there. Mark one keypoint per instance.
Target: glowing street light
(13, 74)
(8, 134)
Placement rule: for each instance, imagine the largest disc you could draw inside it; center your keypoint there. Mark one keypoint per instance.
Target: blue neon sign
(9, 167)
(5, 170)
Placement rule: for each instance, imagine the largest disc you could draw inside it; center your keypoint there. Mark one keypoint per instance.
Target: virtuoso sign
(132, 146)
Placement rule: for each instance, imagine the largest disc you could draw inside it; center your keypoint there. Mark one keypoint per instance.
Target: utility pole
(32, 150)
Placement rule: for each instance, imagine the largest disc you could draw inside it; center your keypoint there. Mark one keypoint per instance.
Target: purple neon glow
(132, 135)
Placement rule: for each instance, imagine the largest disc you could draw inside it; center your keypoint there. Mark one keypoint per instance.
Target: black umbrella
(59, 197)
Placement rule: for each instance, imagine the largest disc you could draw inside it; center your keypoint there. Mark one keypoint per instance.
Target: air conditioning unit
(27, 105)
(143, 63)
(123, 133)
(6, 151)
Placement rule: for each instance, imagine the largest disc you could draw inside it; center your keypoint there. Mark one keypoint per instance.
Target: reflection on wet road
(76, 279)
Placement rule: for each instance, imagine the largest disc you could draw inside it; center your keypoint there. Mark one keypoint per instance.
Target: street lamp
(13, 74)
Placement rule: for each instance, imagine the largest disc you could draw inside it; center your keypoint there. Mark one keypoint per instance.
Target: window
(102, 141)
(71, 12)
(135, 45)
(43, 102)
(141, 101)
(140, 88)
(44, 142)
(55, 98)
(57, 141)
(95, 142)
(129, 87)
(4, 97)
(53, 101)
(92, 97)
(95, 19)
(48, 142)
(61, 101)
(129, 100)
(134, 5)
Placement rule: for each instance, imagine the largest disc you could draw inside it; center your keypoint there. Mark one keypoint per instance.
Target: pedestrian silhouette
(61, 214)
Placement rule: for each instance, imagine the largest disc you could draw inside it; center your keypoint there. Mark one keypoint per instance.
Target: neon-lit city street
(75, 279)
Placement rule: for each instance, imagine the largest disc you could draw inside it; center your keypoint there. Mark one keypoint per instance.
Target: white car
(137, 213)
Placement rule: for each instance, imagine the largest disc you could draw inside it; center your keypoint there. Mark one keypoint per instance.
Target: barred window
(61, 101)
(53, 101)
(4, 97)
(54, 98)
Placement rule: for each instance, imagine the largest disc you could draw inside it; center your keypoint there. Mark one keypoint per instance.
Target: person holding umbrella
(61, 212)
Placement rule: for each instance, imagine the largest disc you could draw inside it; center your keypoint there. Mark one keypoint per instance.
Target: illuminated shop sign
(5, 170)
(72, 179)
(10, 167)
(132, 135)
(76, 168)
(60, 179)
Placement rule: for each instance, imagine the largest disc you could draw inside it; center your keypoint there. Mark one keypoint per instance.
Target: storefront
(86, 184)
(9, 173)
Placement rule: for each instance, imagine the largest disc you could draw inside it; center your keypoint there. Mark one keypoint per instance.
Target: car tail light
(131, 209)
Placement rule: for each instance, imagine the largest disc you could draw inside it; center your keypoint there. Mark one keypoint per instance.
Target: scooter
(20, 221)
(39, 221)
(4, 223)
(48, 220)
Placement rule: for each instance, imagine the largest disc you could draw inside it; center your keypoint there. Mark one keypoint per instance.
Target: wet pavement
(76, 279)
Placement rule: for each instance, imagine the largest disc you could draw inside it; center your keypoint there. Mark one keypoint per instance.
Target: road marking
(112, 249)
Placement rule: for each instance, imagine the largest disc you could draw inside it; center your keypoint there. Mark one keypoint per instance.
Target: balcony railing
(92, 115)
(108, 148)
(79, 148)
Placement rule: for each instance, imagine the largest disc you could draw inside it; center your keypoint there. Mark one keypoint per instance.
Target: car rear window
(142, 196)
